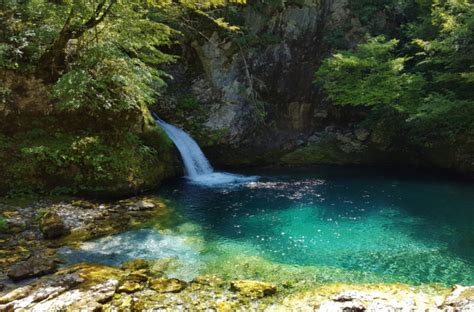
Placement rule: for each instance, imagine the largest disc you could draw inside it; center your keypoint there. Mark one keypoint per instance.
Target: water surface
(325, 225)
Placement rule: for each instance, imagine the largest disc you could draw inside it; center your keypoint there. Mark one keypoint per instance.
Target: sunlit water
(327, 225)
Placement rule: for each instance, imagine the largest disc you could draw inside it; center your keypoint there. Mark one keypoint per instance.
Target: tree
(370, 76)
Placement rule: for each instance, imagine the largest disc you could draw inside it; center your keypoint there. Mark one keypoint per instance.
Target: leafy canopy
(98, 54)
(429, 76)
(370, 76)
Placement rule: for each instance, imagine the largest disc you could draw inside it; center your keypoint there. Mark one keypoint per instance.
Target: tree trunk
(52, 63)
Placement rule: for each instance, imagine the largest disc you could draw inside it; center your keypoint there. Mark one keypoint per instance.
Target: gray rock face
(259, 98)
(279, 75)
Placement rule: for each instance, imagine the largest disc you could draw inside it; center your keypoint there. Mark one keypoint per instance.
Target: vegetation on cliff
(77, 78)
(426, 71)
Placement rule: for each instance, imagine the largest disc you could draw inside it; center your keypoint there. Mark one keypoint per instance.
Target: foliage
(427, 73)
(371, 76)
(98, 61)
(90, 39)
(3, 224)
(72, 163)
(104, 79)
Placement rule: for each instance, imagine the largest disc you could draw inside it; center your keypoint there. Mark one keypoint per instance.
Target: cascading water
(198, 169)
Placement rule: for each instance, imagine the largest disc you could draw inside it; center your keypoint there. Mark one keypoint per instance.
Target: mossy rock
(52, 225)
(165, 285)
(136, 264)
(254, 289)
(129, 287)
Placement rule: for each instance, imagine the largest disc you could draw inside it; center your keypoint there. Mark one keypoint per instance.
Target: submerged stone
(253, 288)
(164, 285)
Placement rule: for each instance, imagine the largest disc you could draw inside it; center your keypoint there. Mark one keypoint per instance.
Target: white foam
(198, 169)
(221, 179)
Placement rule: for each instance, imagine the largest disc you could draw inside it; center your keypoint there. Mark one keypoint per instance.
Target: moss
(164, 285)
(253, 289)
(3, 224)
(94, 273)
(135, 264)
(323, 153)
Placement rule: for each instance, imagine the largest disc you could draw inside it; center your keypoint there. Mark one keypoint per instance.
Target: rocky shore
(33, 277)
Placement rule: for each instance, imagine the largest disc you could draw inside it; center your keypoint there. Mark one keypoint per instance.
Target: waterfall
(197, 167)
(195, 162)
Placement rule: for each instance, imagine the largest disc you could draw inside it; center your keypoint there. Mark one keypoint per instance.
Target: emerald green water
(346, 225)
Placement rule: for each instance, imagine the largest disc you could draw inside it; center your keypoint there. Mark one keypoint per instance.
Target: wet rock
(460, 299)
(83, 204)
(253, 288)
(52, 225)
(299, 115)
(78, 288)
(164, 285)
(361, 134)
(77, 299)
(209, 280)
(135, 264)
(344, 138)
(224, 307)
(15, 223)
(144, 205)
(130, 287)
(134, 282)
(16, 294)
(330, 129)
(314, 139)
(350, 306)
(36, 265)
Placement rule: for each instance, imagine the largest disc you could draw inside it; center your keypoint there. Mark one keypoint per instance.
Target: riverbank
(34, 277)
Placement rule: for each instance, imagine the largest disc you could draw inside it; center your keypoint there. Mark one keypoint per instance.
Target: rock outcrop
(36, 265)
(250, 98)
(88, 287)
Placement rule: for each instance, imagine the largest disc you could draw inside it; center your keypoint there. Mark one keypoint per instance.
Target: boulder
(144, 205)
(52, 225)
(253, 288)
(165, 285)
(36, 265)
